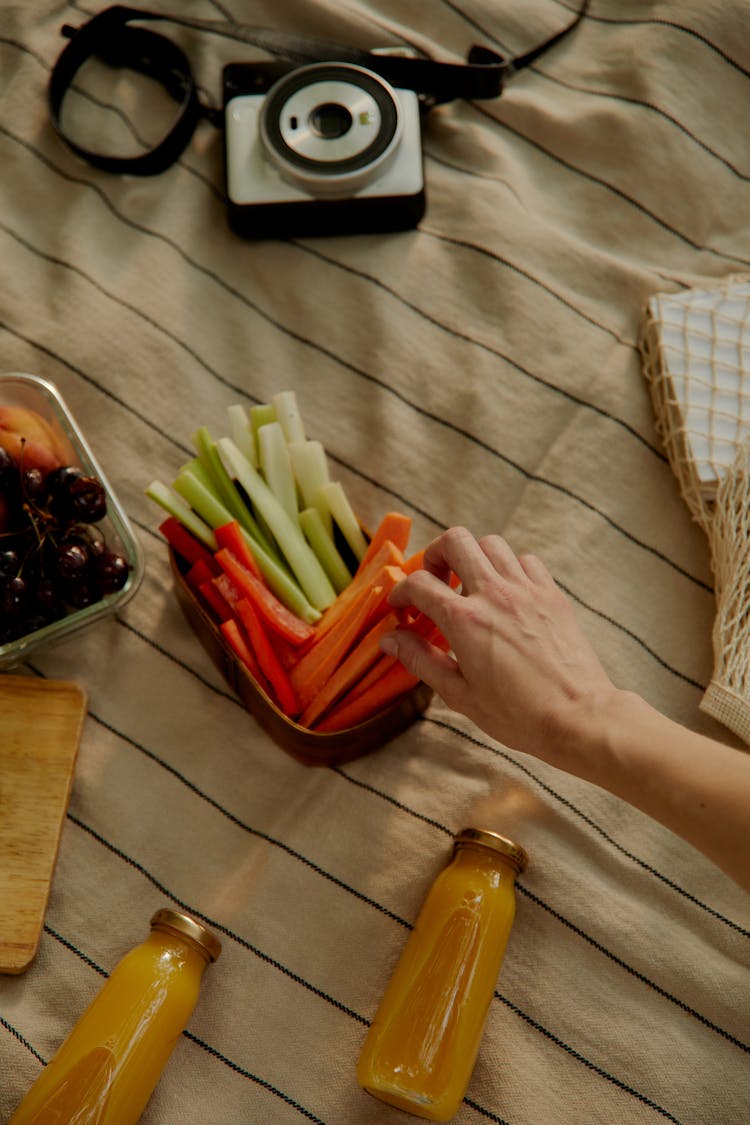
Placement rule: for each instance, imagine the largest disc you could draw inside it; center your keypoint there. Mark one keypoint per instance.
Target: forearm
(524, 672)
(696, 787)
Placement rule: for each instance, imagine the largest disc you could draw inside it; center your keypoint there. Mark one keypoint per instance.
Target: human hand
(521, 668)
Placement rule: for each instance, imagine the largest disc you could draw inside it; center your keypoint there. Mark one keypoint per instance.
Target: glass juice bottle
(106, 1069)
(421, 1048)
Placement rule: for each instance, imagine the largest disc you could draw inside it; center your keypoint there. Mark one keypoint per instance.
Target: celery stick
(310, 468)
(215, 477)
(301, 558)
(240, 432)
(211, 462)
(267, 534)
(215, 514)
(338, 504)
(260, 415)
(202, 499)
(196, 466)
(277, 468)
(325, 548)
(181, 511)
(287, 412)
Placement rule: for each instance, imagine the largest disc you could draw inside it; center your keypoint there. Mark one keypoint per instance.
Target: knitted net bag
(695, 349)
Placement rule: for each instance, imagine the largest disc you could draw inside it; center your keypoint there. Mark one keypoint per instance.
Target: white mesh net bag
(695, 348)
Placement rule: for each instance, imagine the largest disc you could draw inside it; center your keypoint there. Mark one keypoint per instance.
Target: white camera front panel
(251, 179)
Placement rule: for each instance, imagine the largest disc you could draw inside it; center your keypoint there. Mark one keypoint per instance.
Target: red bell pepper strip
(274, 613)
(233, 634)
(215, 601)
(227, 589)
(230, 535)
(199, 573)
(186, 545)
(269, 662)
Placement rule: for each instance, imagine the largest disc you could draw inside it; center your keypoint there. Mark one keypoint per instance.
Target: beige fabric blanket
(482, 370)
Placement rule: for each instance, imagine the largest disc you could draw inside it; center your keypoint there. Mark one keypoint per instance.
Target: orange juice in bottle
(421, 1048)
(105, 1070)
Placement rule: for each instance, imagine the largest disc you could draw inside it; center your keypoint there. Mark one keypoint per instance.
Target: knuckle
(456, 611)
(457, 534)
(472, 615)
(535, 568)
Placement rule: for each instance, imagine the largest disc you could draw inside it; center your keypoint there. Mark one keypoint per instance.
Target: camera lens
(330, 129)
(331, 120)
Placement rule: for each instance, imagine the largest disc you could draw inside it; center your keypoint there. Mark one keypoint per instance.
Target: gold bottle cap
(186, 926)
(513, 852)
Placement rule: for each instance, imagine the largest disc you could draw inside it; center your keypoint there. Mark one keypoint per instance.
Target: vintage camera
(325, 148)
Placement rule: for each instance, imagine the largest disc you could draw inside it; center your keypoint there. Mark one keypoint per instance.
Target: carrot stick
(414, 562)
(356, 664)
(329, 650)
(387, 555)
(319, 664)
(269, 663)
(378, 669)
(421, 624)
(396, 681)
(395, 527)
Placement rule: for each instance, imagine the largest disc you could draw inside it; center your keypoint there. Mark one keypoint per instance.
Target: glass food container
(30, 392)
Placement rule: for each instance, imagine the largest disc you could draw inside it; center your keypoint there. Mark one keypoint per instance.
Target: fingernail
(388, 644)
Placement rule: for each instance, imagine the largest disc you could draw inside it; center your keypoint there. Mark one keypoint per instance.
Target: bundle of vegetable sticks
(275, 554)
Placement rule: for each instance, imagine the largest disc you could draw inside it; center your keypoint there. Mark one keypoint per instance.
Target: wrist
(590, 733)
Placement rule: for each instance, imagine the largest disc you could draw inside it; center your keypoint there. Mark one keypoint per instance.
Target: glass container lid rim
(186, 926)
(484, 837)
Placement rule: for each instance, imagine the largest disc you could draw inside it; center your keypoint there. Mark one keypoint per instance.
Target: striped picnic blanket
(481, 370)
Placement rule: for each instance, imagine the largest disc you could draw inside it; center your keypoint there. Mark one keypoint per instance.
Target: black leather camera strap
(109, 37)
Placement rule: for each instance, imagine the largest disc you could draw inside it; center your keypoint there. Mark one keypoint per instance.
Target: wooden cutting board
(40, 729)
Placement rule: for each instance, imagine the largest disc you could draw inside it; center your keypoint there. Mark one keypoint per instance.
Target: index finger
(427, 593)
(457, 551)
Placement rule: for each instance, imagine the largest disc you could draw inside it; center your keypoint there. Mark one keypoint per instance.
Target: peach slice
(31, 440)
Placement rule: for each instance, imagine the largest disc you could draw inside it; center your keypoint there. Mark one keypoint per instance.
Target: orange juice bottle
(421, 1048)
(106, 1069)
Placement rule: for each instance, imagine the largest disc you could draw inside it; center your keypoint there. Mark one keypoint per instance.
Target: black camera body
(321, 149)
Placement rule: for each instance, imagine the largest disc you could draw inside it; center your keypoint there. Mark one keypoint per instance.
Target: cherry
(110, 572)
(53, 559)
